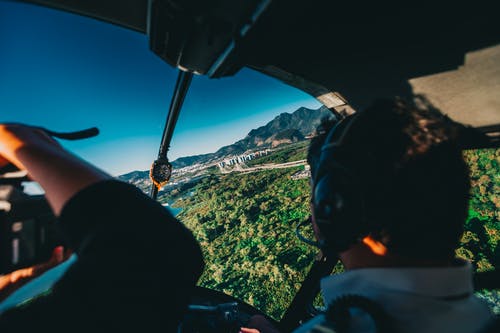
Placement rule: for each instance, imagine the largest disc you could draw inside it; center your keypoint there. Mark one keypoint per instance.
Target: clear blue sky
(68, 72)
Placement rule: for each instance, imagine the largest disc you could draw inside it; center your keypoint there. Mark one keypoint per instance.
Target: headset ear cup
(338, 210)
(339, 207)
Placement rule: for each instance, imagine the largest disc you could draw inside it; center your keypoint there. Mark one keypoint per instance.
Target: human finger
(248, 330)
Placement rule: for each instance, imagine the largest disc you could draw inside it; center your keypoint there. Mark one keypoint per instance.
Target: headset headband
(343, 125)
(332, 142)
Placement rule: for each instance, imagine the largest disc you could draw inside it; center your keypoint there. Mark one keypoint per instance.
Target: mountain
(182, 162)
(138, 178)
(284, 137)
(303, 121)
(285, 128)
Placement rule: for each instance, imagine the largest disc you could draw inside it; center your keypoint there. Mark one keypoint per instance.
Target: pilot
(136, 264)
(390, 199)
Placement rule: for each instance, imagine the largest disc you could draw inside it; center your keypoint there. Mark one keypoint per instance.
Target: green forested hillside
(482, 230)
(245, 224)
(480, 243)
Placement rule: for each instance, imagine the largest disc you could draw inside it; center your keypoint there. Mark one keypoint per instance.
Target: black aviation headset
(338, 194)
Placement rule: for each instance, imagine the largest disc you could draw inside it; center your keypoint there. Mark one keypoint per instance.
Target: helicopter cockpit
(344, 55)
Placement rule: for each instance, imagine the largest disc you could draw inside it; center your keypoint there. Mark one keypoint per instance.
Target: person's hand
(259, 324)
(60, 173)
(13, 281)
(249, 330)
(16, 137)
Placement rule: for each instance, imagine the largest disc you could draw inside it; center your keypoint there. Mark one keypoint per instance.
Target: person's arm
(60, 173)
(137, 265)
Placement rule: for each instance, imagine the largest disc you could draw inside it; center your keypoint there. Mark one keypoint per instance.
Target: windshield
(59, 70)
(240, 179)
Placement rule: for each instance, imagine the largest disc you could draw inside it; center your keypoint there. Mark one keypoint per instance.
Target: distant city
(243, 158)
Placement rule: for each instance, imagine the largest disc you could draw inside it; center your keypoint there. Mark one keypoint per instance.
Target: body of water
(175, 211)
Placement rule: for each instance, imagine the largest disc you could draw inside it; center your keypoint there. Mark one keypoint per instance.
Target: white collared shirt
(431, 300)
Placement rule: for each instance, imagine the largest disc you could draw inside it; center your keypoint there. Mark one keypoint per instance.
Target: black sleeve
(136, 268)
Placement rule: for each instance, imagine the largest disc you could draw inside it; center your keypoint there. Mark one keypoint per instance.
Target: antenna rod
(180, 91)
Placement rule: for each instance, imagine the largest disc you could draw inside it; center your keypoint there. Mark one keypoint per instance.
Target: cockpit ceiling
(131, 14)
(471, 93)
(363, 51)
(355, 52)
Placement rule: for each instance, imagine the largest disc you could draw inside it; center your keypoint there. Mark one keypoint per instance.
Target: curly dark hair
(416, 184)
